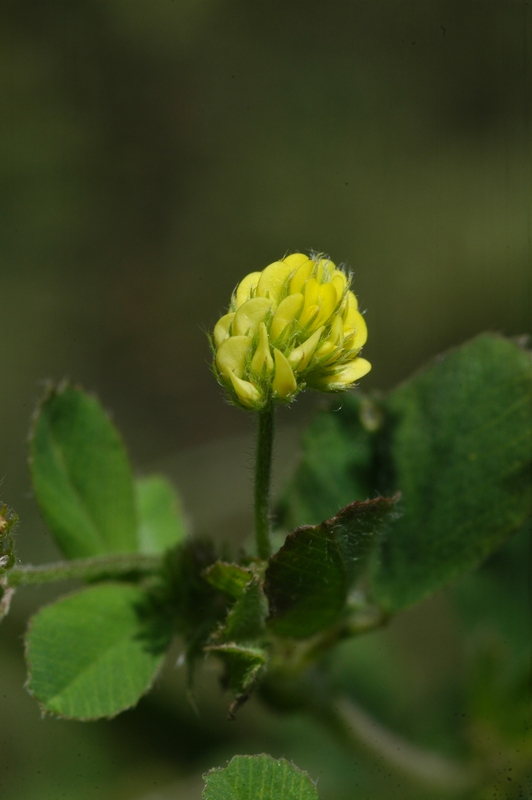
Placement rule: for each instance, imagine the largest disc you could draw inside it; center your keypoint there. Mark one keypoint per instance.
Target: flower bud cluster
(295, 324)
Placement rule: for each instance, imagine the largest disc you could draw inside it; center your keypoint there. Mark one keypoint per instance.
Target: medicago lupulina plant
(395, 496)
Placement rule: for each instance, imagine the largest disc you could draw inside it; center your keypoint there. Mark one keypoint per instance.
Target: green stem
(263, 470)
(89, 569)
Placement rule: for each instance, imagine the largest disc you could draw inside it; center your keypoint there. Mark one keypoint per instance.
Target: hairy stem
(263, 470)
(97, 568)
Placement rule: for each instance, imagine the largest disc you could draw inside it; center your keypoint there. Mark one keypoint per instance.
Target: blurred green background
(151, 154)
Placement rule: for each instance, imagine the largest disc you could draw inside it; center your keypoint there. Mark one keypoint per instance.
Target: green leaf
(493, 610)
(306, 583)
(339, 464)
(90, 654)
(308, 579)
(161, 523)
(455, 440)
(258, 777)
(81, 476)
(460, 445)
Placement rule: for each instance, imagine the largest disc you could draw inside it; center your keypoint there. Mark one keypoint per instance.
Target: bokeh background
(152, 152)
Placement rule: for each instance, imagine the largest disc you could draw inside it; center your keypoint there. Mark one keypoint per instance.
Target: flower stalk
(263, 469)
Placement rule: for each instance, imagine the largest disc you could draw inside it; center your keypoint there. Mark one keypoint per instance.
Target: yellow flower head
(294, 324)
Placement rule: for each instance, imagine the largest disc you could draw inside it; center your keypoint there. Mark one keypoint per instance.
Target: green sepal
(243, 667)
(228, 578)
(240, 640)
(245, 620)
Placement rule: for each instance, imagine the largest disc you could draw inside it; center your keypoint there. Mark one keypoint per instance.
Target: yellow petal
(302, 274)
(311, 293)
(339, 279)
(222, 328)
(245, 288)
(272, 280)
(336, 335)
(327, 352)
(295, 260)
(350, 373)
(327, 301)
(250, 315)
(350, 317)
(357, 334)
(284, 382)
(232, 354)
(324, 269)
(300, 356)
(311, 307)
(308, 316)
(350, 303)
(262, 361)
(247, 394)
(287, 312)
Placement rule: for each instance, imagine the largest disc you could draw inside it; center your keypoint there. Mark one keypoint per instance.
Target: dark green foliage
(308, 580)
(460, 442)
(456, 441)
(340, 462)
(492, 607)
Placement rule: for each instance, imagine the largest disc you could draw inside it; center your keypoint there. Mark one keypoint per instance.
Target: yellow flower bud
(262, 361)
(284, 383)
(294, 324)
